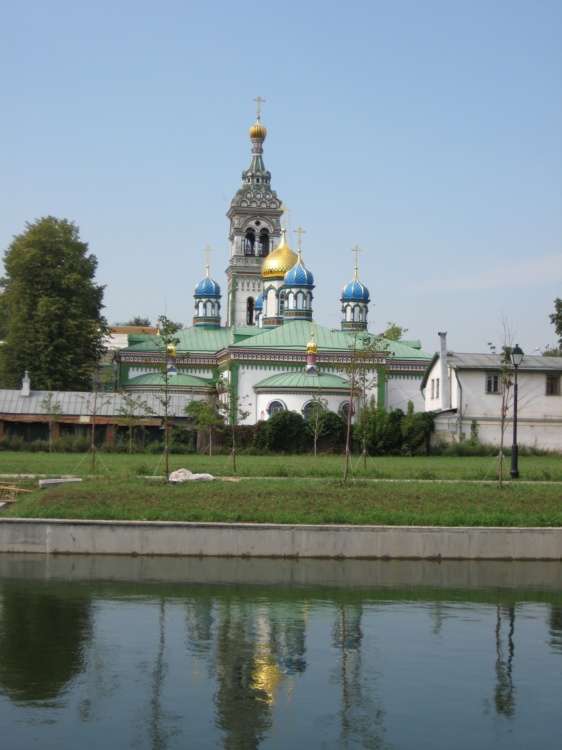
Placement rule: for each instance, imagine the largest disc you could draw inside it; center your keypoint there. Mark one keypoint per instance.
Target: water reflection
(170, 664)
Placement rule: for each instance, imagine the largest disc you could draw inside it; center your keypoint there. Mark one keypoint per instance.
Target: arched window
(281, 303)
(250, 311)
(274, 407)
(250, 242)
(263, 244)
(344, 411)
(311, 407)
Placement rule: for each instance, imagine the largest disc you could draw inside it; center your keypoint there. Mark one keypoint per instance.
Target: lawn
(297, 490)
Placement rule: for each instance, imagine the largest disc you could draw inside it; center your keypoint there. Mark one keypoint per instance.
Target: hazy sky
(427, 132)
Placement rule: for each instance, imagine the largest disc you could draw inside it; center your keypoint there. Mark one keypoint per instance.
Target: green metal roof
(291, 335)
(296, 335)
(292, 380)
(198, 339)
(175, 380)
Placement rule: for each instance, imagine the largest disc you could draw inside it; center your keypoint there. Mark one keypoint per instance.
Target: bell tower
(255, 229)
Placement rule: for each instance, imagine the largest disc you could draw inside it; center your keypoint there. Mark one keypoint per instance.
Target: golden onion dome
(171, 349)
(258, 132)
(281, 260)
(312, 347)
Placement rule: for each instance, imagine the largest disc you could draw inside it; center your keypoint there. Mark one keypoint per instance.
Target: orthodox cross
(208, 250)
(299, 231)
(259, 100)
(356, 250)
(285, 210)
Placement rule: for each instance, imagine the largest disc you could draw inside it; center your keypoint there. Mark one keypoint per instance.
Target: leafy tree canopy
(138, 321)
(51, 308)
(394, 332)
(556, 320)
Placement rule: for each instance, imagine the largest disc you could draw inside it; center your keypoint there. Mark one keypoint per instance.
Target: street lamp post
(516, 358)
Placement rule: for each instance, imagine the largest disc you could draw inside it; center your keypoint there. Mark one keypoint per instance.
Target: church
(258, 343)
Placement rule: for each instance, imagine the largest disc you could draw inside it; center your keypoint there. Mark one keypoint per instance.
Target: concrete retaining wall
(277, 541)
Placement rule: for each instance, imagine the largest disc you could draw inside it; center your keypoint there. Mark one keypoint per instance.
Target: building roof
(296, 335)
(77, 404)
(463, 361)
(302, 381)
(175, 380)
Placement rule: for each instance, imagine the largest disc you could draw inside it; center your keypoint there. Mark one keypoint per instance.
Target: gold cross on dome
(285, 210)
(259, 100)
(208, 250)
(299, 231)
(356, 250)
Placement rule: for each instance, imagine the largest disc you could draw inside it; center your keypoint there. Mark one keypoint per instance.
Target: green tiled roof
(300, 380)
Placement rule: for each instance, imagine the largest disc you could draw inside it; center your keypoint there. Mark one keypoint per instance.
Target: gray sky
(427, 132)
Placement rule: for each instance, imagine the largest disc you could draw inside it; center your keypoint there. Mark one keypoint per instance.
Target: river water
(241, 654)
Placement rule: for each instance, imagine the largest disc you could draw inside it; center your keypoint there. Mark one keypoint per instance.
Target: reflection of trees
(361, 719)
(43, 635)
(556, 627)
(242, 702)
(504, 694)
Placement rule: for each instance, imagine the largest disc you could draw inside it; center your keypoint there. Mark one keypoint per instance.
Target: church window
(552, 385)
(250, 311)
(275, 406)
(263, 244)
(249, 242)
(492, 382)
(344, 411)
(281, 302)
(310, 408)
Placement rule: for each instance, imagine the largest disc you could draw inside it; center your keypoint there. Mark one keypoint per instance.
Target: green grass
(532, 468)
(296, 501)
(294, 490)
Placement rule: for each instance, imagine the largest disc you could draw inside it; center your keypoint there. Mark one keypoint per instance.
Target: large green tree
(51, 309)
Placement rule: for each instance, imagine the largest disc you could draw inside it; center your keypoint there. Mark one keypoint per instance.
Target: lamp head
(517, 355)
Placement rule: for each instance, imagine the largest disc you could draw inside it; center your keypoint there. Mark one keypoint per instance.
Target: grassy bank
(299, 501)
(532, 468)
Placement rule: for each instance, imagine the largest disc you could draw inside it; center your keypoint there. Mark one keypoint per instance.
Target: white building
(466, 389)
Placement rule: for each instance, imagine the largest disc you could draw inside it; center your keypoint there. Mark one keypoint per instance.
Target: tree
(50, 308)
(231, 406)
(52, 409)
(505, 382)
(133, 410)
(167, 343)
(206, 418)
(284, 431)
(556, 320)
(138, 321)
(394, 332)
(315, 426)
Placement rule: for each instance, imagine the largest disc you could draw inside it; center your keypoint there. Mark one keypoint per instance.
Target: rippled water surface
(119, 653)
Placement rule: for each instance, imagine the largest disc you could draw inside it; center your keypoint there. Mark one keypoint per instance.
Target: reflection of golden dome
(258, 132)
(266, 676)
(281, 260)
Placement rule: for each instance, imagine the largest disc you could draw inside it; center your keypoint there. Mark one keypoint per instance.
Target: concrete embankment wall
(278, 541)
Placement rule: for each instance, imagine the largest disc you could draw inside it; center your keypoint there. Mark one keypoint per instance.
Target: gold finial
(312, 346)
(259, 100)
(208, 250)
(299, 231)
(356, 250)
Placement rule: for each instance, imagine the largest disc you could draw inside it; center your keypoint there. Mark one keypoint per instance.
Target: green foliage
(332, 431)
(380, 429)
(139, 321)
(416, 431)
(50, 308)
(556, 320)
(284, 432)
(394, 332)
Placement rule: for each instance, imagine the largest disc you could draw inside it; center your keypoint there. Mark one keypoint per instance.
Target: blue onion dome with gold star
(277, 263)
(298, 275)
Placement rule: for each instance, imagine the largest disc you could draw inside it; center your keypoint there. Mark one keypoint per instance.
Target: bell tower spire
(255, 229)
